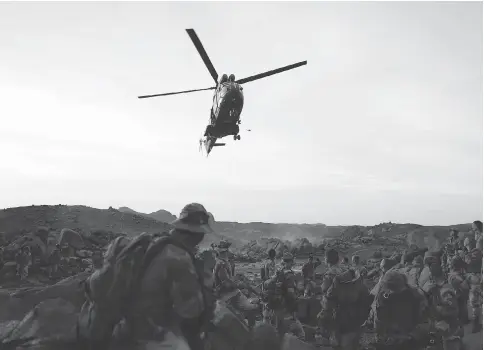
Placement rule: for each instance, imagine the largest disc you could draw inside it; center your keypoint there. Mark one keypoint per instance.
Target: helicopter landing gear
(236, 137)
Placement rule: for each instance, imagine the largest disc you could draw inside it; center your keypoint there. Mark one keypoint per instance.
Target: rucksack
(402, 309)
(111, 289)
(346, 287)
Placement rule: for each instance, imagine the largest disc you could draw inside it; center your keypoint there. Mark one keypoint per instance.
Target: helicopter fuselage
(228, 101)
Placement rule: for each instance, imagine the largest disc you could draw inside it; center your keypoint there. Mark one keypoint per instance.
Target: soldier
(443, 306)
(415, 270)
(458, 280)
(267, 272)
(281, 296)
(355, 259)
(97, 259)
(344, 305)
(227, 289)
(477, 229)
(170, 302)
(399, 310)
(308, 274)
(473, 260)
(54, 261)
(23, 259)
(430, 258)
(270, 266)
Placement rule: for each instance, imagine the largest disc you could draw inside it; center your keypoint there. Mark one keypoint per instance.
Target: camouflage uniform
(399, 312)
(270, 270)
(170, 306)
(415, 270)
(281, 292)
(457, 279)
(54, 261)
(331, 312)
(444, 314)
(474, 278)
(308, 273)
(227, 289)
(24, 260)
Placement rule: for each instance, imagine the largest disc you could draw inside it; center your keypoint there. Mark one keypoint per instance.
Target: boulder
(71, 238)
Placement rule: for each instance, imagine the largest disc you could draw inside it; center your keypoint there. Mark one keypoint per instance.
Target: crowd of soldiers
(61, 256)
(417, 304)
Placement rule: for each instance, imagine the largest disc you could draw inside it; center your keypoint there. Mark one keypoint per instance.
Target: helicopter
(228, 99)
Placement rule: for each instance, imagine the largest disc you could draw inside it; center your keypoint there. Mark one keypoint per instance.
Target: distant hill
(86, 219)
(160, 215)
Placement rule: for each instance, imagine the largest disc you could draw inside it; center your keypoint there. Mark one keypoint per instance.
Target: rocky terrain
(42, 299)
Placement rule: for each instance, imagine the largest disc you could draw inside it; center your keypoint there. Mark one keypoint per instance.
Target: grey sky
(384, 123)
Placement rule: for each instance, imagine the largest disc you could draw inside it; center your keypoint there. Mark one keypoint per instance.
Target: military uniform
(399, 310)
(171, 302)
(24, 260)
(54, 261)
(308, 271)
(474, 278)
(281, 294)
(269, 271)
(458, 280)
(341, 314)
(227, 289)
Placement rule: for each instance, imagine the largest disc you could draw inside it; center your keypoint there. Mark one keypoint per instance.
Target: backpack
(111, 289)
(346, 287)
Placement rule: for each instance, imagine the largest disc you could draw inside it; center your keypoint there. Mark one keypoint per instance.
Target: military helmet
(224, 245)
(457, 263)
(393, 282)
(193, 218)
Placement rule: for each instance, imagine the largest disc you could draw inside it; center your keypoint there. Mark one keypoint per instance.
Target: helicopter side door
(217, 100)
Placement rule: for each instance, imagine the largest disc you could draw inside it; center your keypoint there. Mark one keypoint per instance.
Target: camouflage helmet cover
(457, 263)
(393, 282)
(224, 245)
(193, 218)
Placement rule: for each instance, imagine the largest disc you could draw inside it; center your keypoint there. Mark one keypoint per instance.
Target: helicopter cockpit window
(224, 79)
(231, 78)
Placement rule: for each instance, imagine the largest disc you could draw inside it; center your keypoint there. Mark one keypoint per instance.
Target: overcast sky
(383, 124)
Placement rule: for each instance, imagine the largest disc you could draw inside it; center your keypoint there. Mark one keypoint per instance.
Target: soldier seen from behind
(150, 290)
(399, 313)
(345, 303)
(308, 272)
(280, 293)
(357, 266)
(54, 261)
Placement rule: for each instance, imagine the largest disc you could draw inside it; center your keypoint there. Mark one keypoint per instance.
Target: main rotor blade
(176, 93)
(271, 72)
(198, 44)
